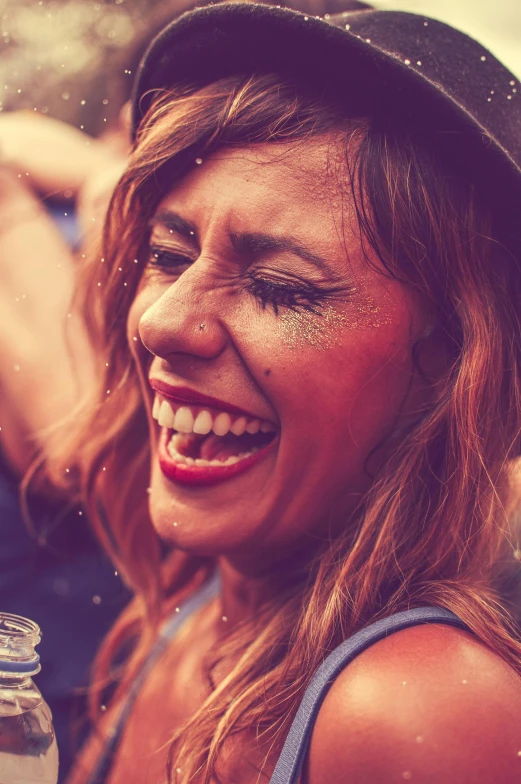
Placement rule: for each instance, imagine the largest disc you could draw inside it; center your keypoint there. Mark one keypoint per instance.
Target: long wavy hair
(434, 526)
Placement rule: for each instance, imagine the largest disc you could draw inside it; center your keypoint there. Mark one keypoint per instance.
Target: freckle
(267, 372)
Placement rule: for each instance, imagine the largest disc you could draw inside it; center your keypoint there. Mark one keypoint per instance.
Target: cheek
(343, 395)
(362, 385)
(376, 387)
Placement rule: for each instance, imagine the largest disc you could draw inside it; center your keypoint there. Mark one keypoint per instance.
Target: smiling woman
(252, 289)
(306, 308)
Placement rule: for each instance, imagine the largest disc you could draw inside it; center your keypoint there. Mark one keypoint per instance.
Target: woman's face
(261, 312)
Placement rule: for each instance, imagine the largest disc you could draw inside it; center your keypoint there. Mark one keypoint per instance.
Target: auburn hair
(434, 527)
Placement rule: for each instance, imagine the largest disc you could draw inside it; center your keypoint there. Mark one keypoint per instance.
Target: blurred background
(55, 54)
(495, 23)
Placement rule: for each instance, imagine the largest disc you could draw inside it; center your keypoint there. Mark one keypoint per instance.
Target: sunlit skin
(332, 405)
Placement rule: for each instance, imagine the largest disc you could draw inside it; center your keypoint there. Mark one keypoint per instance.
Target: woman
(306, 309)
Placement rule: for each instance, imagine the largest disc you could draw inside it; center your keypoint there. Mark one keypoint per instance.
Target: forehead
(298, 190)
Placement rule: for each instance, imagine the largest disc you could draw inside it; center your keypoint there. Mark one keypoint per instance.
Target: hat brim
(218, 41)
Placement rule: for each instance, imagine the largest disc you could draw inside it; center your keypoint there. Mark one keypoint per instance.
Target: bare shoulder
(430, 704)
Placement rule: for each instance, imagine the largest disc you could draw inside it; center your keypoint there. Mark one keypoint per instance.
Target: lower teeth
(179, 458)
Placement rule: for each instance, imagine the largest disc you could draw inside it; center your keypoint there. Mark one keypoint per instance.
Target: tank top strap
(289, 765)
(167, 632)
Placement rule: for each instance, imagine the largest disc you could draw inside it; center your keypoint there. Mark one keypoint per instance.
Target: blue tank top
(289, 765)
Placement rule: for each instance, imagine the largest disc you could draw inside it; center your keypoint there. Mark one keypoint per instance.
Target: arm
(45, 360)
(430, 705)
(40, 377)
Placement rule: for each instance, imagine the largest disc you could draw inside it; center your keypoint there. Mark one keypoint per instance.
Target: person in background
(55, 182)
(52, 570)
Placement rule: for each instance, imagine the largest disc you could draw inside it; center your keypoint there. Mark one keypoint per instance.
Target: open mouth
(204, 446)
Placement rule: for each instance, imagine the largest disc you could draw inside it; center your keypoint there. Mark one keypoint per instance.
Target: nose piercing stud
(202, 327)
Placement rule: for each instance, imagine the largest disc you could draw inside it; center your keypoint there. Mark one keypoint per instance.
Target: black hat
(433, 76)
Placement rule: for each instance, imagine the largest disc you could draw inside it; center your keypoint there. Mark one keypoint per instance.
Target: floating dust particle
(321, 329)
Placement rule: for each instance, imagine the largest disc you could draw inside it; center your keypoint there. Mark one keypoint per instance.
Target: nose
(185, 319)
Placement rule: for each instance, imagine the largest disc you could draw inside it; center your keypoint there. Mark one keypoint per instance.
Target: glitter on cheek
(321, 330)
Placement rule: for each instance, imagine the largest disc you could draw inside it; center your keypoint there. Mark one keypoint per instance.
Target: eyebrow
(245, 243)
(263, 244)
(174, 222)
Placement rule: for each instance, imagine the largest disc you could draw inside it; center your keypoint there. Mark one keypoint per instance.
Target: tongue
(212, 447)
(222, 447)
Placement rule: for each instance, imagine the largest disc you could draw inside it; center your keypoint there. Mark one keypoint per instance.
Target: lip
(204, 475)
(187, 395)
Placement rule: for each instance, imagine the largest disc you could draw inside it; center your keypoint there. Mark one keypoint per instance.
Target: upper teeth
(187, 419)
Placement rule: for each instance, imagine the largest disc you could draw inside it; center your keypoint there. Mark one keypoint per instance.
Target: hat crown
(454, 63)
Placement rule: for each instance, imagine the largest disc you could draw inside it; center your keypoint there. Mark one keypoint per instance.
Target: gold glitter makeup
(320, 330)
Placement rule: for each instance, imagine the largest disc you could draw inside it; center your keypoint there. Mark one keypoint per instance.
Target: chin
(199, 528)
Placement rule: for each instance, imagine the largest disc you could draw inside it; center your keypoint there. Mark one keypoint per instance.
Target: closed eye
(274, 290)
(293, 294)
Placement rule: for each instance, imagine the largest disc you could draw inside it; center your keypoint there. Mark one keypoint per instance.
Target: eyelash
(288, 295)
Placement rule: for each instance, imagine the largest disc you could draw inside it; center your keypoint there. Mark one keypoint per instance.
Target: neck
(244, 592)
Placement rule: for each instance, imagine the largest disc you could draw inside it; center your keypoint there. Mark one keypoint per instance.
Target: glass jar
(28, 750)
